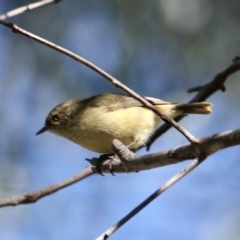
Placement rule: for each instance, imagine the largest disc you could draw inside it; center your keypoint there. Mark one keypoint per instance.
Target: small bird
(94, 122)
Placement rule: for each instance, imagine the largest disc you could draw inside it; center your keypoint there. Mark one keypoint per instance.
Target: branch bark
(206, 147)
(26, 8)
(135, 163)
(204, 92)
(34, 196)
(148, 200)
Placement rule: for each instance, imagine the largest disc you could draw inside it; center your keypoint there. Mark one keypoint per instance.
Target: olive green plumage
(94, 122)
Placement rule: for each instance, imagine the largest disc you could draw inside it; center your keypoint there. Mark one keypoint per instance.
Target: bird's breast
(97, 128)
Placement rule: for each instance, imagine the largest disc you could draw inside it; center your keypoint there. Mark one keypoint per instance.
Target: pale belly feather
(125, 125)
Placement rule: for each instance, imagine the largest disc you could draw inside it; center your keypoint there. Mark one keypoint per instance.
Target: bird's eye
(55, 118)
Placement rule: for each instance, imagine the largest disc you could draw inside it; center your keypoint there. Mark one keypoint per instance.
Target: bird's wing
(156, 101)
(126, 101)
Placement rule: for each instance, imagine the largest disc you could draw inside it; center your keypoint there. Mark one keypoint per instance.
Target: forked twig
(204, 92)
(148, 200)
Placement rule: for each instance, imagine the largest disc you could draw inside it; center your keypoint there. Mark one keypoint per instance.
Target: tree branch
(32, 197)
(107, 76)
(134, 163)
(29, 7)
(208, 146)
(204, 92)
(148, 200)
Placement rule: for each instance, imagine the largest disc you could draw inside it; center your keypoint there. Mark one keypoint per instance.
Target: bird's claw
(102, 159)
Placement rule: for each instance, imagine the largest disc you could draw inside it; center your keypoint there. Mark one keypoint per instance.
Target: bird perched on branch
(94, 122)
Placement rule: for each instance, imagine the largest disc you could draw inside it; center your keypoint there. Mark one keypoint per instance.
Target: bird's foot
(103, 158)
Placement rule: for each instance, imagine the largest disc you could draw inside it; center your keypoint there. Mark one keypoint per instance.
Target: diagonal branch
(107, 76)
(29, 7)
(148, 200)
(32, 197)
(204, 92)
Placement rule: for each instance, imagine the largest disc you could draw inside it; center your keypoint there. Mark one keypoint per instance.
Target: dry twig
(153, 196)
(114, 81)
(204, 92)
(29, 7)
(32, 197)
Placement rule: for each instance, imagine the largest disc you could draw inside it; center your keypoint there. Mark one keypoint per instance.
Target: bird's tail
(194, 108)
(174, 110)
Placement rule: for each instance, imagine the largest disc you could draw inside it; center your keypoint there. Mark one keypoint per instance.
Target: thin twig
(114, 81)
(32, 197)
(26, 8)
(153, 196)
(204, 92)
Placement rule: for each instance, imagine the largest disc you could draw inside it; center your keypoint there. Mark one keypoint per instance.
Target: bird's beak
(42, 130)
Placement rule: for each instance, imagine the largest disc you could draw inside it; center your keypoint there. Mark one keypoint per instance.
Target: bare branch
(209, 146)
(32, 197)
(153, 196)
(134, 163)
(29, 7)
(204, 92)
(114, 81)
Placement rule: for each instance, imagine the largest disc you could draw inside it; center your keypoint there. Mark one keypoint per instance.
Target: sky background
(159, 48)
